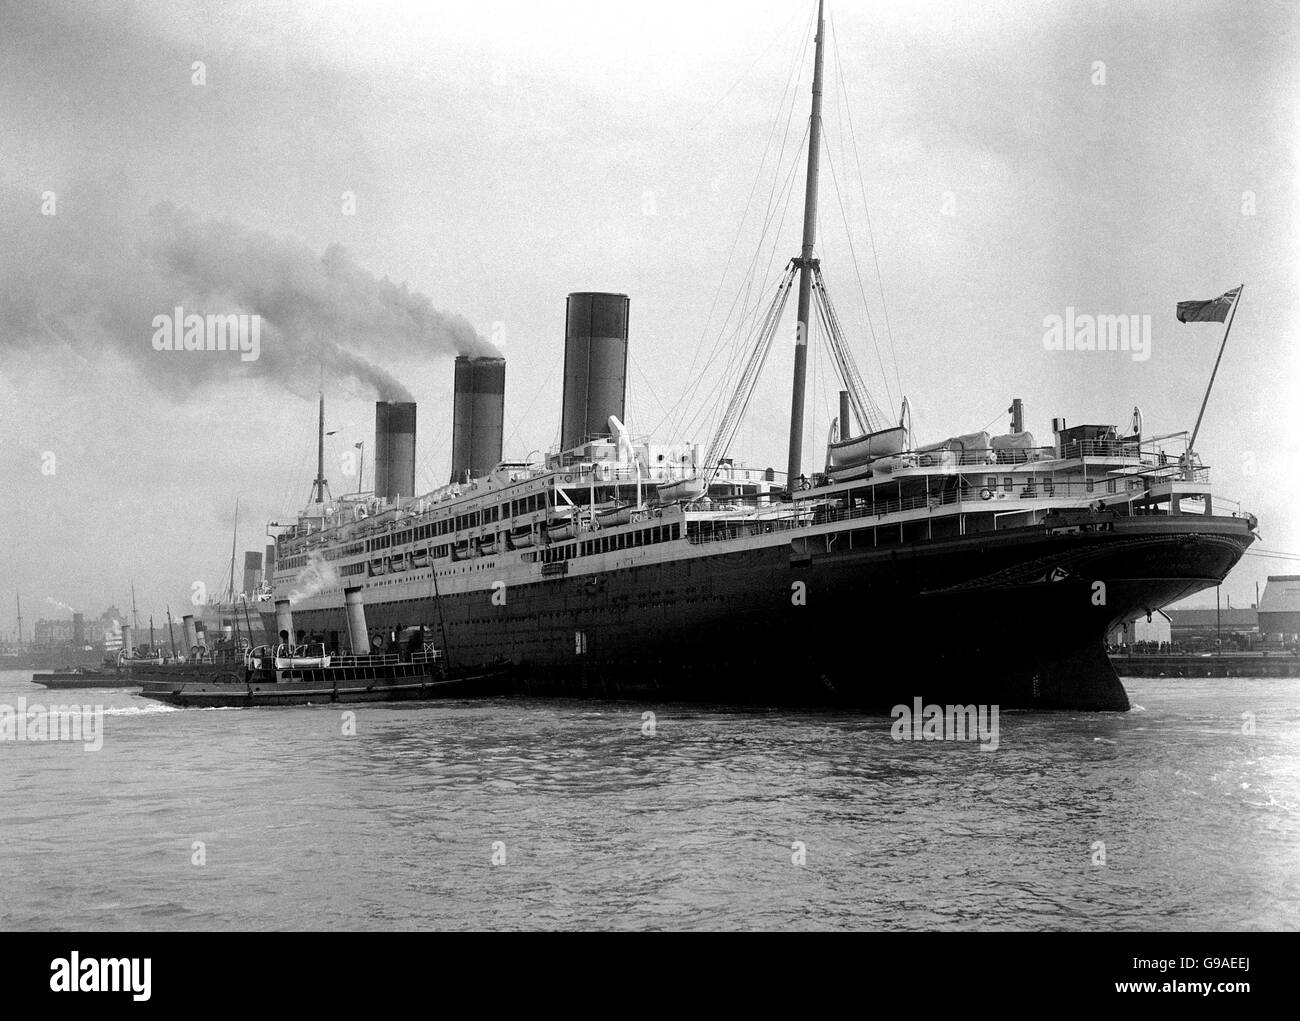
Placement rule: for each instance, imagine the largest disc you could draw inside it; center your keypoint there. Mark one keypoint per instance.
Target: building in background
(1279, 607)
(1200, 629)
(52, 632)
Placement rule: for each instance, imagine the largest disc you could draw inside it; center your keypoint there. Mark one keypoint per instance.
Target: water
(394, 828)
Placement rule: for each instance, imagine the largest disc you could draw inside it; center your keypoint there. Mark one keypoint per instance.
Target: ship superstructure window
(527, 504)
(1007, 483)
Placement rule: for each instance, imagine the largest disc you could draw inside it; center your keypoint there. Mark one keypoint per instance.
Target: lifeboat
(615, 516)
(301, 657)
(858, 450)
(562, 530)
(682, 489)
(972, 448)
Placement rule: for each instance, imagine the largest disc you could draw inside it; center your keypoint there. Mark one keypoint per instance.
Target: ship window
(1110, 485)
(990, 482)
(1088, 486)
(1007, 483)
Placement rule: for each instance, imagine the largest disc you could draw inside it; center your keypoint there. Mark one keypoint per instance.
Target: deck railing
(998, 500)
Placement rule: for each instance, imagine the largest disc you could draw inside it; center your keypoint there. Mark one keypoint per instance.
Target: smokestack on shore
(394, 449)
(595, 366)
(478, 416)
(252, 569)
(356, 610)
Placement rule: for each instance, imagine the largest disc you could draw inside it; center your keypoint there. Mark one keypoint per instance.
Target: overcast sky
(1016, 158)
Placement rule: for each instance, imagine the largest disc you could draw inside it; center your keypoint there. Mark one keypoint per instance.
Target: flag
(1213, 311)
(359, 445)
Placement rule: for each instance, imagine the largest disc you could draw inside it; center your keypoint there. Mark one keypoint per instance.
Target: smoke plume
(317, 575)
(99, 284)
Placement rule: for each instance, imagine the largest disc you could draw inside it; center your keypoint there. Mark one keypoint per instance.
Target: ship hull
(1015, 618)
(85, 680)
(397, 683)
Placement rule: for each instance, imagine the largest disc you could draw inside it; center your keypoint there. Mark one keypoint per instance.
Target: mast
(806, 263)
(135, 619)
(171, 635)
(320, 485)
(234, 540)
(19, 600)
(1196, 431)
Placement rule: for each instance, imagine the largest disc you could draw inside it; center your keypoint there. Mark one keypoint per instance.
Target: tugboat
(305, 672)
(307, 675)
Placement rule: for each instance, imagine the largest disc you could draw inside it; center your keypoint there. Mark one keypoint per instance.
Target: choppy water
(304, 827)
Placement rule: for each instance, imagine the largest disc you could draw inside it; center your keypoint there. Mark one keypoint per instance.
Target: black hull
(1015, 618)
(61, 682)
(327, 687)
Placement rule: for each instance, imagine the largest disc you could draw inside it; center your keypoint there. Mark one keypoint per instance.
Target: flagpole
(1191, 446)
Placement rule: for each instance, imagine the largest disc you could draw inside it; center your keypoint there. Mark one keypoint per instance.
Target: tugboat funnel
(357, 633)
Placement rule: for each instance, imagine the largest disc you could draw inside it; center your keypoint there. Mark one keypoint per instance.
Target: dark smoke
(100, 284)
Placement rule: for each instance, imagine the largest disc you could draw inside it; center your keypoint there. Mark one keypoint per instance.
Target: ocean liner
(978, 569)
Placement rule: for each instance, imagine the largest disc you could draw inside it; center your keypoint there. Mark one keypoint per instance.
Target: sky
(390, 184)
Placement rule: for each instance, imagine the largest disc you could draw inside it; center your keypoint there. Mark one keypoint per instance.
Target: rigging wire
(707, 408)
(889, 333)
(858, 274)
(790, 91)
(1273, 555)
(550, 373)
(743, 393)
(782, 34)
